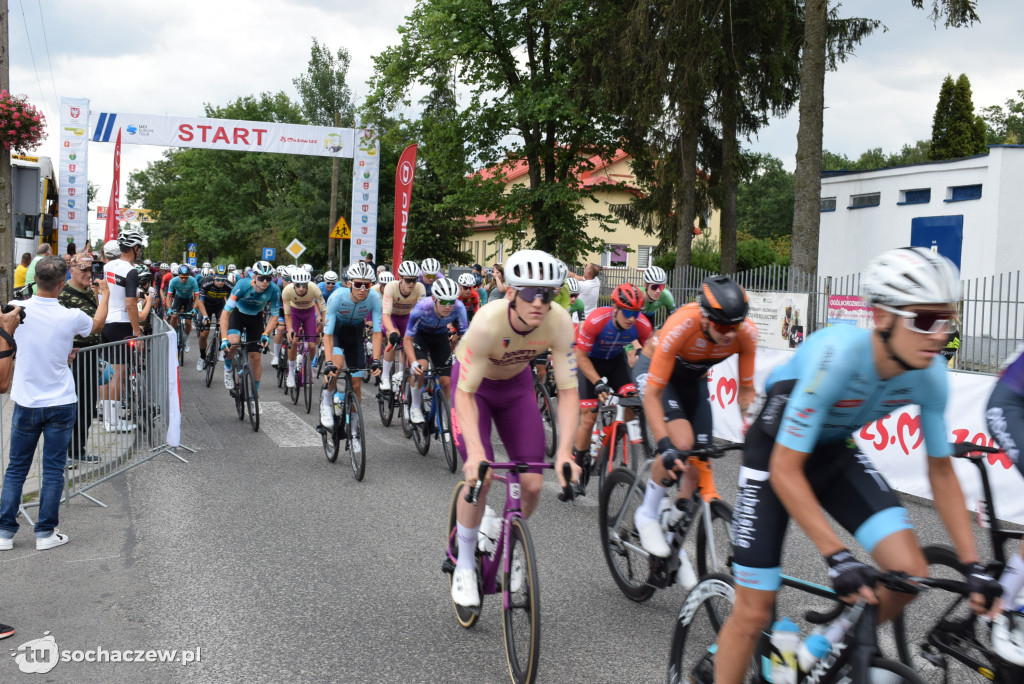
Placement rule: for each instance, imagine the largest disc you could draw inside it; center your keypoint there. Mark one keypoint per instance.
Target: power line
(49, 60)
(28, 39)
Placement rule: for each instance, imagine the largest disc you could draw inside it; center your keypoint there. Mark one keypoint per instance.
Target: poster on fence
(849, 310)
(779, 317)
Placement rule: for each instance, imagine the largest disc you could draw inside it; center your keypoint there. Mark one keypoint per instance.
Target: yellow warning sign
(341, 230)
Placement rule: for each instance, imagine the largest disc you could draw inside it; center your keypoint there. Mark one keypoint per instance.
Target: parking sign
(269, 253)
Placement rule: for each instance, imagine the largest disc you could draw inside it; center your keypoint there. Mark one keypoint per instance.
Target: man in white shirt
(43, 391)
(590, 288)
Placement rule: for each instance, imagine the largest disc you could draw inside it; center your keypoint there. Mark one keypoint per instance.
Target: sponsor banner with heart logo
(72, 173)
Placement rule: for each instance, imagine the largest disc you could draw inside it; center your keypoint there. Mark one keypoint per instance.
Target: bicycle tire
(307, 383)
(331, 441)
(406, 407)
(695, 637)
(282, 367)
(421, 431)
(181, 345)
(521, 614)
(355, 437)
(212, 350)
(614, 455)
(630, 568)
(252, 401)
(239, 392)
(445, 436)
(385, 406)
(294, 391)
(549, 417)
(467, 616)
(716, 555)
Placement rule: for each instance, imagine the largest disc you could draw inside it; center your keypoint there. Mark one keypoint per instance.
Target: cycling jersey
(213, 294)
(575, 310)
(425, 319)
(291, 299)
(166, 280)
(1012, 374)
(600, 338)
(396, 304)
(183, 290)
(343, 312)
(471, 302)
(123, 283)
(838, 391)
(684, 352)
(248, 301)
(324, 291)
(429, 286)
(666, 300)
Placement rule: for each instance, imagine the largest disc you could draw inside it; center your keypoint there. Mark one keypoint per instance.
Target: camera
(97, 270)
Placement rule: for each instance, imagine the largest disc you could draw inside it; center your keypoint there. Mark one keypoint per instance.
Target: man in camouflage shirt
(78, 293)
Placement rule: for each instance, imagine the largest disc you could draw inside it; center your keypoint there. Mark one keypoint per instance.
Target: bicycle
(637, 573)
(182, 335)
(245, 395)
(616, 442)
(943, 633)
(348, 426)
(318, 357)
(546, 403)
(303, 373)
(212, 351)
(437, 414)
(512, 553)
(388, 399)
(853, 658)
(282, 365)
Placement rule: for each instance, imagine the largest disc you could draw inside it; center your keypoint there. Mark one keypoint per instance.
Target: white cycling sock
(652, 497)
(328, 398)
(291, 368)
(1012, 580)
(277, 349)
(388, 365)
(417, 397)
(467, 546)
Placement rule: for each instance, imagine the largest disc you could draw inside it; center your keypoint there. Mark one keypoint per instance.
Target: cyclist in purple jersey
(427, 336)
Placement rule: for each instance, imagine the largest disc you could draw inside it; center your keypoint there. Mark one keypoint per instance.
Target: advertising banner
(225, 134)
(779, 318)
(72, 174)
(849, 310)
(404, 175)
(365, 180)
(111, 229)
(128, 214)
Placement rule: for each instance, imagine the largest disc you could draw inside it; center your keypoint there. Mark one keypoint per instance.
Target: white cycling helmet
(409, 269)
(308, 268)
(911, 275)
(232, 267)
(111, 249)
(300, 277)
(430, 266)
(1008, 637)
(174, 267)
(574, 286)
(445, 288)
(467, 279)
(330, 277)
(206, 272)
(563, 272)
(206, 264)
(655, 275)
(532, 268)
(232, 278)
(361, 271)
(264, 268)
(130, 237)
(386, 277)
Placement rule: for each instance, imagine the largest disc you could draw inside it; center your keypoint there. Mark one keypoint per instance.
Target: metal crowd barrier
(123, 411)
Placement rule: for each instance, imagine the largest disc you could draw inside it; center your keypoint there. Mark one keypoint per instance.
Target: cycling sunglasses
(657, 288)
(264, 279)
(626, 313)
(529, 294)
(446, 302)
(220, 279)
(926, 321)
(409, 281)
(725, 328)
(466, 288)
(360, 286)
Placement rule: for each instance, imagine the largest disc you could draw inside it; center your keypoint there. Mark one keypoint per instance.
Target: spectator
(43, 391)
(78, 294)
(21, 271)
(41, 251)
(369, 260)
(72, 249)
(499, 282)
(478, 274)
(590, 288)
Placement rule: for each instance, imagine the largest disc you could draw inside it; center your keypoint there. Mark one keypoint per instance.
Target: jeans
(85, 370)
(55, 423)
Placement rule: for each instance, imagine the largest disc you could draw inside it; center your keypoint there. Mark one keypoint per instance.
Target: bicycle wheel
(239, 391)
(614, 455)
(282, 366)
(549, 416)
(694, 639)
(444, 426)
(628, 562)
(386, 405)
(356, 442)
(405, 405)
(714, 553)
(307, 383)
(252, 401)
(521, 614)
(331, 440)
(294, 391)
(181, 345)
(891, 672)
(421, 431)
(960, 628)
(466, 616)
(212, 350)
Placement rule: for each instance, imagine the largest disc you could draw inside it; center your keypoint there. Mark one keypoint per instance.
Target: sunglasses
(656, 288)
(220, 280)
(446, 302)
(626, 313)
(573, 296)
(926, 322)
(725, 328)
(360, 286)
(466, 288)
(409, 281)
(264, 279)
(529, 294)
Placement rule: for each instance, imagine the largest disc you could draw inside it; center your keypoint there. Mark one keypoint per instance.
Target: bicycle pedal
(448, 566)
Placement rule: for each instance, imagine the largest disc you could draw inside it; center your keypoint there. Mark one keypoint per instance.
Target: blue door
(943, 234)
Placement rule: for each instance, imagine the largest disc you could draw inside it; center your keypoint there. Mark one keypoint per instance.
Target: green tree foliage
(765, 197)
(1005, 127)
(323, 89)
(875, 158)
(956, 130)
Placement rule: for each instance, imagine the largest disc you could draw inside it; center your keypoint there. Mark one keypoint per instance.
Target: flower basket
(22, 126)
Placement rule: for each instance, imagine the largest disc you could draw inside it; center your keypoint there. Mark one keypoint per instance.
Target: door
(942, 234)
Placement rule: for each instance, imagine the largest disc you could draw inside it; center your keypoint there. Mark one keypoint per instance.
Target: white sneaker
(229, 381)
(187, 348)
(416, 416)
(652, 538)
(464, 590)
(6, 544)
(327, 415)
(119, 425)
(357, 446)
(290, 380)
(274, 361)
(685, 576)
(54, 540)
(385, 383)
(201, 365)
(515, 582)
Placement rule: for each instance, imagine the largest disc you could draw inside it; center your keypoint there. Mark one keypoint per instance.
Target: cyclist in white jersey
(122, 320)
(400, 297)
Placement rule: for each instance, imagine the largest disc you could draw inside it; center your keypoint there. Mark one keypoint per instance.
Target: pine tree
(956, 130)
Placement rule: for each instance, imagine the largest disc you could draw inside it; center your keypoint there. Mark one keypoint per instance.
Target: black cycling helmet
(723, 301)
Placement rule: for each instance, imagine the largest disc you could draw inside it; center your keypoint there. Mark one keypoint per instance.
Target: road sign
(295, 248)
(341, 230)
(192, 262)
(269, 253)
(191, 246)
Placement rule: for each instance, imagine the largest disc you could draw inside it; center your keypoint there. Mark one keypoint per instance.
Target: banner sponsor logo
(364, 146)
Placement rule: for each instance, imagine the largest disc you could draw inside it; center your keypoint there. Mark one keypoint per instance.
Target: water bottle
(785, 641)
(820, 643)
(490, 528)
(298, 360)
(339, 403)
(633, 430)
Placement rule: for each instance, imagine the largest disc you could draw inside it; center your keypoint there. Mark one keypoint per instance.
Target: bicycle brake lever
(474, 494)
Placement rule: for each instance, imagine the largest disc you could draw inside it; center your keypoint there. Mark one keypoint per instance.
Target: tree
(1005, 127)
(324, 89)
(956, 131)
(765, 198)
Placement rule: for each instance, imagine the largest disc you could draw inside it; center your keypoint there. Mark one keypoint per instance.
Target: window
(499, 254)
(828, 203)
(871, 199)
(961, 193)
(643, 256)
(921, 196)
(615, 256)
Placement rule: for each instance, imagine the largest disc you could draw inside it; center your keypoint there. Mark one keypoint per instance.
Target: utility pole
(335, 170)
(6, 231)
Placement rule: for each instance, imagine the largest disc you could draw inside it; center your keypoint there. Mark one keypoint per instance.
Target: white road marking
(286, 428)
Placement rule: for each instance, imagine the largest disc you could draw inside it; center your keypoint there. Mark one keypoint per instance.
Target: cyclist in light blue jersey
(329, 284)
(244, 312)
(183, 297)
(428, 336)
(800, 460)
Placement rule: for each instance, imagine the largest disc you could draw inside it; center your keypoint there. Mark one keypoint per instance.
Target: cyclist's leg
(1005, 418)
(688, 411)
(253, 331)
(355, 355)
(588, 402)
(442, 357)
(521, 429)
(279, 336)
(421, 345)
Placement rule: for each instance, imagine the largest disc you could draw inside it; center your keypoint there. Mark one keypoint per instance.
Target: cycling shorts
(348, 343)
(680, 399)
(512, 405)
(1005, 418)
(437, 348)
(116, 332)
(214, 308)
(400, 323)
(843, 479)
(304, 320)
(251, 324)
(616, 369)
(181, 305)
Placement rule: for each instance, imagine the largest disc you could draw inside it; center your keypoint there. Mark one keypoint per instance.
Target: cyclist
(165, 281)
(575, 307)
(428, 336)
(493, 381)
(602, 365)
(329, 283)
(303, 305)
(656, 293)
(213, 294)
(400, 297)
(800, 459)
(122, 319)
(284, 278)
(243, 312)
(431, 271)
(183, 298)
(343, 334)
(468, 294)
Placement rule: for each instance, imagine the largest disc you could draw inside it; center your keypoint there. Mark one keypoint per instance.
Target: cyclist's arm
(950, 505)
(748, 353)
(131, 301)
(586, 367)
(196, 303)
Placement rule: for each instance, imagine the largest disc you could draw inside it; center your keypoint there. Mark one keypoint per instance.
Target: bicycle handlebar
(473, 495)
(972, 451)
(702, 453)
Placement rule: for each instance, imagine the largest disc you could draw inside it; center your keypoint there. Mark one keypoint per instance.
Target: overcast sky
(172, 58)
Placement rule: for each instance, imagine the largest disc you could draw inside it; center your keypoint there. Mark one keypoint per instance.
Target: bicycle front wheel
(521, 617)
(549, 416)
(695, 637)
(444, 425)
(467, 616)
(385, 406)
(406, 395)
(181, 346)
(239, 392)
(307, 384)
(356, 439)
(211, 358)
(252, 402)
(421, 431)
(629, 563)
(714, 539)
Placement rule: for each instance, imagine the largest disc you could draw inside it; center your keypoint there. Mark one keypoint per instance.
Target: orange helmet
(628, 297)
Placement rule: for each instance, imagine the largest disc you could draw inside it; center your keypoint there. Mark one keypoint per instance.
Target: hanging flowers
(22, 126)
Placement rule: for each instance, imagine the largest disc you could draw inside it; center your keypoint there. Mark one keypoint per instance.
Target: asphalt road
(281, 567)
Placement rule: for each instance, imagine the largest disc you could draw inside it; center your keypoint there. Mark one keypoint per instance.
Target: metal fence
(991, 317)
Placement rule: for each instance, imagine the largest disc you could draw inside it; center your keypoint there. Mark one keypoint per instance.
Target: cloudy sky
(171, 58)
